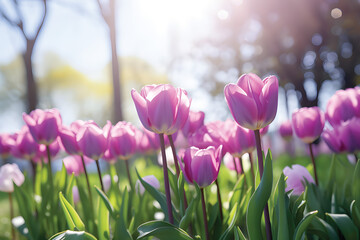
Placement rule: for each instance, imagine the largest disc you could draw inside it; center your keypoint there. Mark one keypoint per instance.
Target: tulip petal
(141, 108)
(269, 100)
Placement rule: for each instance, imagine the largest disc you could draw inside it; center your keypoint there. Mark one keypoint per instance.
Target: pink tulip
(92, 141)
(193, 123)
(152, 141)
(68, 139)
(264, 130)
(24, 146)
(230, 161)
(73, 164)
(43, 125)
(201, 165)
(10, 173)
(342, 106)
(253, 102)
(162, 108)
(122, 140)
(308, 123)
(285, 130)
(54, 148)
(297, 175)
(240, 141)
(211, 134)
(6, 142)
(151, 179)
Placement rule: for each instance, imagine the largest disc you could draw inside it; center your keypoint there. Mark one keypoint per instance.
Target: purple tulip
(6, 143)
(54, 148)
(297, 175)
(240, 141)
(68, 139)
(264, 130)
(201, 165)
(10, 173)
(92, 140)
(285, 130)
(342, 106)
(150, 140)
(24, 146)
(122, 140)
(73, 164)
(308, 123)
(193, 123)
(162, 108)
(151, 179)
(253, 102)
(43, 125)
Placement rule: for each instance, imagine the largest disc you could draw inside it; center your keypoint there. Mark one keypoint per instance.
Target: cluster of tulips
(198, 150)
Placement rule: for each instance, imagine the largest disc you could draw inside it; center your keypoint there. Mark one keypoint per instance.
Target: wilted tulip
(43, 125)
(285, 130)
(201, 165)
(253, 102)
(151, 179)
(163, 108)
(9, 174)
(342, 106)
(308, 123)
(297, 175)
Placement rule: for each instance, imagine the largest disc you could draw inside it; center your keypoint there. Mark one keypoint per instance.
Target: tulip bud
(253, 102)
(297, 175)
(308, 123)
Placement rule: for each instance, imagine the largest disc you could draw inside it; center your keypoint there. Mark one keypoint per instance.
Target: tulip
(73, 164)
(10, 173)
(162, 108)
(285, 130)
(122, 140)
(6, 142)
(24, 146)
(44, 151)
(342, 106)
(308, 123)
(68, 139)
(93, 143)
(151, 179)
(43, 125)
(240, 141)
(233, 163)
(194, 122)
(253, 102)
(297, 177)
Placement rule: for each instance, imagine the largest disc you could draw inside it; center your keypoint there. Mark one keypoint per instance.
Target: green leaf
(62, 177)
(356, 183)
(283, 230)
(237, 192)
(121, 233)
(186, 219)
(355, 213)
(181, 193)
(304, 223)
(346, 226)
(239, 235)
(162, 230)
(69, 187)
(73, 235)
(106, 201)
(234, 214)
(72, 218)
(103, 222)
(258, 201)
(322, 229)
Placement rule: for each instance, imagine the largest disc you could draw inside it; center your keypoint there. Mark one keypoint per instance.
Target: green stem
(99, 174)
(166, 179)
(87, 181)
(51, 190)
(11, 216)
(313, 163)
(261, 169)
(242, 169)
(219, 199)
(252, 166)
(204, 214)
(128, 172)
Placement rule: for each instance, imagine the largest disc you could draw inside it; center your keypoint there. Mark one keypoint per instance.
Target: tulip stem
(87, 181)
(356, 158)
(242, 169)
(52, 189)
(314, 165)
(166, 179)
(99, 173)
(237, 173)
(11, 216)
(49, 166)
(204, 214)
(219, 199)
(261, 169)
(176, 161)
(252, 166)
(128, 172)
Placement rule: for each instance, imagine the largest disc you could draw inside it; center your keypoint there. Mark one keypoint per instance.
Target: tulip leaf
(283, 229)
(258, 201)
(106, 201)
(356, 183)
(234, 214)
(355, 213)
(304, 223)
(186, 219)
(73, 235)
(237, 192)
(346, 226)
(103, 222)
(322, 229)
(69, 187)
(72, 218)
(161, 230)
(238, 234)
(181, 193)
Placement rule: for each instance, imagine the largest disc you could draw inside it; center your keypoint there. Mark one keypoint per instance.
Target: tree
(30, 39)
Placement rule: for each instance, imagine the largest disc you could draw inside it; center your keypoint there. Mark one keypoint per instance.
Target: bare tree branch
(42, 21)
(11, 22)
(103, 13)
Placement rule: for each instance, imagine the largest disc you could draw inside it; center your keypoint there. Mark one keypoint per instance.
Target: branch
(42, 21)
(11, 22)
(102, 11)
(20, 24)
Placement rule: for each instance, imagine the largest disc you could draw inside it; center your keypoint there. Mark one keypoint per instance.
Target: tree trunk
(31, 88)
(118, 113)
